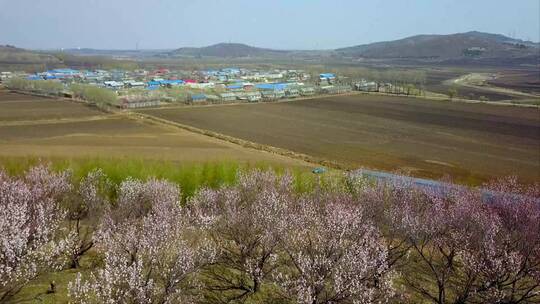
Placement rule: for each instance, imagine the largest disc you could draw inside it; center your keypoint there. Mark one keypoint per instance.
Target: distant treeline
(90, 93)
(48, 87)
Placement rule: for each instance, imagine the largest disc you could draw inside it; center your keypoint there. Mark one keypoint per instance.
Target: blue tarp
(34, 77)
(319, 170)
(327, 75)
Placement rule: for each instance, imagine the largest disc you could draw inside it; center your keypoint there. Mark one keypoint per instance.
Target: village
(143, 88)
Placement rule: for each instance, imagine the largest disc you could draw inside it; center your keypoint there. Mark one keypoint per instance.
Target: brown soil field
(435, 82)
(125, 138)
(472, 93)
(16, 107)
(6, 96)
(110, 136)
(468, 142)
(525, 81)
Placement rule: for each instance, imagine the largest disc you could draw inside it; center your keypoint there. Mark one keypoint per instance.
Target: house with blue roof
(198, 98)
(235, 87)
(272, 86)
(62, 73)
(327, 76)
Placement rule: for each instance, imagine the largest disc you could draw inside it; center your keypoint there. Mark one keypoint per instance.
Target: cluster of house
(204, 86)
(271, 91)
(119, 79)
(256, 93)
(385, 87)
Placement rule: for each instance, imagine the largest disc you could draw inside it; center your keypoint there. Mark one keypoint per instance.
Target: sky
(279, 24)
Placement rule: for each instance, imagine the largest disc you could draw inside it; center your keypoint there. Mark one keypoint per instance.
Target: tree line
(93, 94)
(48, 87)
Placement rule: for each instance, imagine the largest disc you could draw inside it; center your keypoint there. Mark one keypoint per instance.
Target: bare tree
(84, 211)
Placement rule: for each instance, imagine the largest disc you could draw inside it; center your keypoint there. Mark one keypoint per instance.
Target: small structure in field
(366, 86)
(319, 170)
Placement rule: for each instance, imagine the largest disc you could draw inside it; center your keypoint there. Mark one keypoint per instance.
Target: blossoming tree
(30, 224)
(150, 250)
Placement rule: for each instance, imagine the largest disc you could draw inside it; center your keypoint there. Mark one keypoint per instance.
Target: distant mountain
(443, 47)
(225, 50)
(112, 53)
(462, 46)
(455, 49)
(13, 55)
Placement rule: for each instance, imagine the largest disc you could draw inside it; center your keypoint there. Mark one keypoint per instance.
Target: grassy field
(469, 142)
(190, 176)
(45, 128)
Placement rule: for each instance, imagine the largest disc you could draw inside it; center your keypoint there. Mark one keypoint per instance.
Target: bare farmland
(15, 107)
(469, 142)
(59, 129)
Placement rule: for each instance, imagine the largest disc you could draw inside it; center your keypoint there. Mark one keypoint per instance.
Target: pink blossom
(30, 222)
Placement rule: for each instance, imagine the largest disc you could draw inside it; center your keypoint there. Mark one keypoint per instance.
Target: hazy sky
(283, 24)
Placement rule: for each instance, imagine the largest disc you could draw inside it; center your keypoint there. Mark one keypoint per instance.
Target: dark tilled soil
(470, 142)
(525, 81)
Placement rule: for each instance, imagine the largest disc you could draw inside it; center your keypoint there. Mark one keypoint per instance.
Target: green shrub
(188, 175)
(97, 95)
(40, 86)
(18, 84)
(452, 92)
